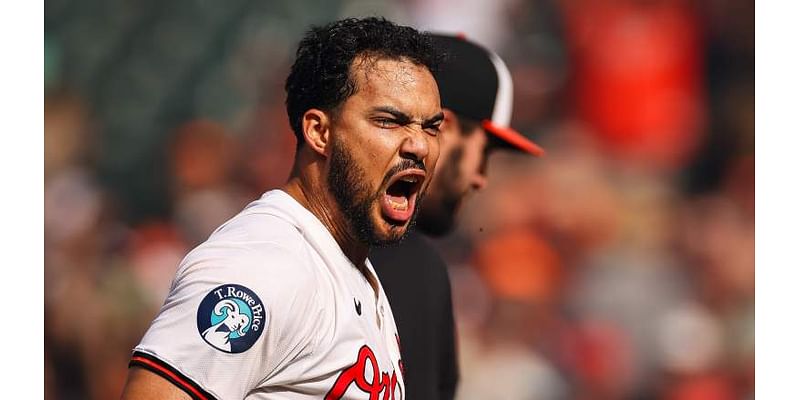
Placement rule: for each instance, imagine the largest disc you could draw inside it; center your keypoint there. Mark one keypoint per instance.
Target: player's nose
(479, 181)
(415, 145)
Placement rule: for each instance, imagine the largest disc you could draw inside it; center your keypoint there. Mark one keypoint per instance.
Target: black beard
(348, 184)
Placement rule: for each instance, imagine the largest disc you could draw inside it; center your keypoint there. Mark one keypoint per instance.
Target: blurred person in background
(477, 95)
(365, 109)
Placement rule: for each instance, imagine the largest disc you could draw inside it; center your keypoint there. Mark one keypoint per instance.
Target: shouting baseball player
(476, 91)
(281, 302)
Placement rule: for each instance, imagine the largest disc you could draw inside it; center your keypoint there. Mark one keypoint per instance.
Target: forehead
(402, 84)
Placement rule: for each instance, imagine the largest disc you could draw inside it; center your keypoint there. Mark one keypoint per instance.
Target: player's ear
(316, 130)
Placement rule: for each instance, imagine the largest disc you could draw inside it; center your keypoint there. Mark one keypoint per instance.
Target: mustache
(402, 166)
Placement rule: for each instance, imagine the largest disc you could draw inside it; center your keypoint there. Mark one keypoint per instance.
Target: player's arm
(187, 353)
(143, 384)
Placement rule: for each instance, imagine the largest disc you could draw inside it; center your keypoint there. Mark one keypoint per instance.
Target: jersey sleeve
(233, 317)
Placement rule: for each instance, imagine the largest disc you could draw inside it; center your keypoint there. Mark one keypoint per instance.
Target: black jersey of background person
(417, 285)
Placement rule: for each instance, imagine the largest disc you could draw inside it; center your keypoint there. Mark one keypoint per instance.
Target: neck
(315, 197)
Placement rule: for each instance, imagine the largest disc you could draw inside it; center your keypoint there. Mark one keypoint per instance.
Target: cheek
(475, 155)
(374, 156)
(374, 143)
(473, 161)
(449, 167)
(435, 149)
(365, 150)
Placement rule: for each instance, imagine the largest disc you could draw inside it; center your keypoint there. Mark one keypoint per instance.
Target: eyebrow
(404, 118)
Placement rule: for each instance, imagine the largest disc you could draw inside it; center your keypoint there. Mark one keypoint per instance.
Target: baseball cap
(475, 83)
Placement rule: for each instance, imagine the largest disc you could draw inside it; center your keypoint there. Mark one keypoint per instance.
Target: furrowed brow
(432, 120)
(401, 117)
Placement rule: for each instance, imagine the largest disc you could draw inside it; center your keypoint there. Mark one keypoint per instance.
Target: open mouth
(401, 195)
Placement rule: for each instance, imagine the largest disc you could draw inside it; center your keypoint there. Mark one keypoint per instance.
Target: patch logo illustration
(231, 318)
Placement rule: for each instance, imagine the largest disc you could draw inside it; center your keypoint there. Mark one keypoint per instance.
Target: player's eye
(432, 128)
(386, 123)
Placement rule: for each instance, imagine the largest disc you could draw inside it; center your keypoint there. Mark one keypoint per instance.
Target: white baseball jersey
(269, 307)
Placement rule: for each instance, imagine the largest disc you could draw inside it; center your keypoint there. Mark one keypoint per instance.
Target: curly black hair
(321, 76)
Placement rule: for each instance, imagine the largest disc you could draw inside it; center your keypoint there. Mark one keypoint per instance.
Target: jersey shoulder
(249, 246)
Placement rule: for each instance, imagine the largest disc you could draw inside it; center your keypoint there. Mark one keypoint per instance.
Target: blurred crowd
(619, 266)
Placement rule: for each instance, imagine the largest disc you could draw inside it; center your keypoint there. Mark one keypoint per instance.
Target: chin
(389, 232)
(384, 231)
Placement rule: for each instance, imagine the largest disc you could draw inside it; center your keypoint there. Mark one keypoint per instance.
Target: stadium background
(618, 267)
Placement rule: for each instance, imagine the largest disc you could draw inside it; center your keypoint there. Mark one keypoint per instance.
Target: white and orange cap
(475, 83)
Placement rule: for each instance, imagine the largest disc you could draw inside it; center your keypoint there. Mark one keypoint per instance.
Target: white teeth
(409, 179)
(399, 205)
